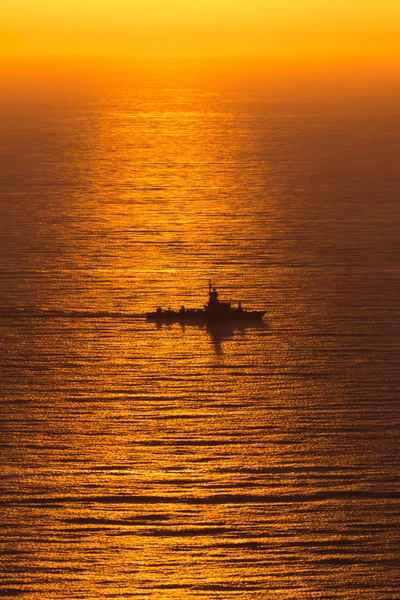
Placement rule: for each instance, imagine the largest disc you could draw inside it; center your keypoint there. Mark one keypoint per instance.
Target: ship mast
(212, 293)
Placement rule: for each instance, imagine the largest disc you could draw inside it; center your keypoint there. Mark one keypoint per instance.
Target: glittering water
(198, 461)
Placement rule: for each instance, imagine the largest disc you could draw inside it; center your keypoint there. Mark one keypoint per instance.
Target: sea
(199, 461)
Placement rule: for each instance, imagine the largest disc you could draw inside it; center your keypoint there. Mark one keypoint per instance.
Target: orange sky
(123, 29)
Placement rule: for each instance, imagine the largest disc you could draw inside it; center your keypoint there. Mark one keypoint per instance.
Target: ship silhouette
(214, 311)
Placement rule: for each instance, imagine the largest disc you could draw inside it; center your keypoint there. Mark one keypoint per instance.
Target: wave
(44, 313)
(227, 499)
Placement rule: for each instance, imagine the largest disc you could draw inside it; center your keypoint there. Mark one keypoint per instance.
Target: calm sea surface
(194, 461)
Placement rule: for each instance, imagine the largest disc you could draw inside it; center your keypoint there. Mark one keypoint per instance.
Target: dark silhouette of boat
(214, 310)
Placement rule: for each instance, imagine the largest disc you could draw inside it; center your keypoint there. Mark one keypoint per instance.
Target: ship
(215, 310)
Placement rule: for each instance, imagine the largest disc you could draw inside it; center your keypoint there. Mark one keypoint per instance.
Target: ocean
(193, 461)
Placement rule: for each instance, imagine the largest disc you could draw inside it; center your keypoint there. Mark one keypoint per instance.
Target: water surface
(198, 461)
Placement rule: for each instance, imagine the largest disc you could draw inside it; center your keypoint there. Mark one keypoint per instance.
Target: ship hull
(203, 317)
